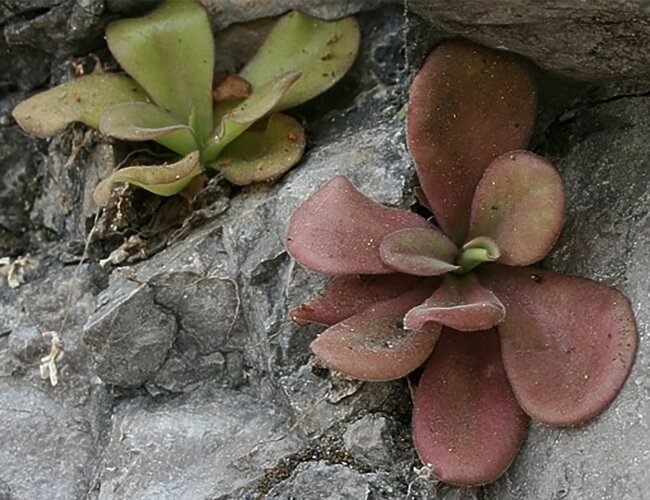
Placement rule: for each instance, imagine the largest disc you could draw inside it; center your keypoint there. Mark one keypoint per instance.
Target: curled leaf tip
(373, 345)
(460, 303)
(164, 180)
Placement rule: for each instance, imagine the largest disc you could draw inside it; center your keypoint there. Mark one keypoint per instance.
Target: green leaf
(476, 252)
(322, 51)
(83, 100)
(235, 121)
(144, 121)
(263, 155)
(165, 180)
(170, 52)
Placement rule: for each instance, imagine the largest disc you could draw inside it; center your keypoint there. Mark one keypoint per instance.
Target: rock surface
(182, 375)
(582, 40)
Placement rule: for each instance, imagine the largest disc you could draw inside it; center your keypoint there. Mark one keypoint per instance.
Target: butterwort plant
(499, 340)
(169, 96)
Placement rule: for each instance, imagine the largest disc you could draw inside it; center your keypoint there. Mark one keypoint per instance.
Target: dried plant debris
(48, 367)
(19, 270)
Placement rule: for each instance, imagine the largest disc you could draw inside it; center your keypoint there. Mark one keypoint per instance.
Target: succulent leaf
(568, 343)
(144, 121)
(460, 303)
(372, 345)
(170, 52)
(83, 99)
(238, 119)
(165, 180)
(467, 425)
(423, 252)
(257, 156)
(467, 105)
(345, 296)
(322, 51)
(519, 203)
(338, 230)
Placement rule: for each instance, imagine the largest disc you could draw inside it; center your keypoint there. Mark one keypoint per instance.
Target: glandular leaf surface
(322, 51)
(467, 105)
(568, 343)
(519, 203)
(373, 345)
(348, 295)
(338, 230)
(263, 155)
(237, 120)
(467, 425)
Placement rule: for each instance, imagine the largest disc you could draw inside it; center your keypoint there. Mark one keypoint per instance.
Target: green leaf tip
(83, 100)
(170, 52)
(259, 104)
(322, 51)
(164, 180)
(144, 121)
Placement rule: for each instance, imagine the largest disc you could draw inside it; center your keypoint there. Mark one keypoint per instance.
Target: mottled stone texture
(183, 376)
(583, 40)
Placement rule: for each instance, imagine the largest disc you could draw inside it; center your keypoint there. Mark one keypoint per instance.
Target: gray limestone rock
(369, 439)
(50, 435)
(129, 336)
(211, 443)
(322, 481)
(582, 40)
(48, 449)
(226, 12)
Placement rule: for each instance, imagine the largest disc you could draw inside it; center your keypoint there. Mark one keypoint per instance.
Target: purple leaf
(460, 303)
(568, 343)
(519, 203)
(348, 295)
(467, 425)
(373, 344)
(423, 252)
(467, 105)
(337, 230)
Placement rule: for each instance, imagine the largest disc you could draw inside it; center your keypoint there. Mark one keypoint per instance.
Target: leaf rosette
(169, 56)
(500, 340)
